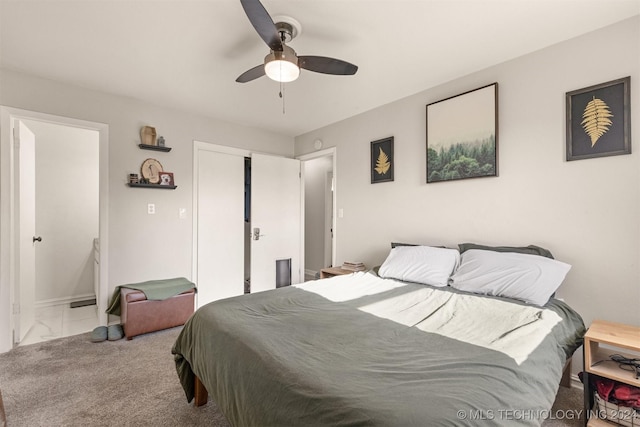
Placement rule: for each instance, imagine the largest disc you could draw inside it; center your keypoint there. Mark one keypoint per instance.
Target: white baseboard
(575, 382)
(63, 300)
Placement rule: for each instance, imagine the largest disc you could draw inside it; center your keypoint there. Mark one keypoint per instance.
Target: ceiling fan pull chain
(282, 96)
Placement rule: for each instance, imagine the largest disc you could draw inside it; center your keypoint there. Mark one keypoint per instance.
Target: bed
(369, 349)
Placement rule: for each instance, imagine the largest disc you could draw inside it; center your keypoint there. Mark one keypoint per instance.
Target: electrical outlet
(151, 209)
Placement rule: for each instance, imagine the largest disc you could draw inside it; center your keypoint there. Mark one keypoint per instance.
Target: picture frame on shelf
(166, 178)
(598, 122)
(382, 162)
(462, 136)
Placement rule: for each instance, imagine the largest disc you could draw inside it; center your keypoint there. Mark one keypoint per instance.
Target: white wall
(138, 242)
(67, 185)
(586, 212)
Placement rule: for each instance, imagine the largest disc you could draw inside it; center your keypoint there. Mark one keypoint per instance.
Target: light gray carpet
(73, 382)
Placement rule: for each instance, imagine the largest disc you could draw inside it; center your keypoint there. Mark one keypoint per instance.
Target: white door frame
(8, 220)
(331, 151)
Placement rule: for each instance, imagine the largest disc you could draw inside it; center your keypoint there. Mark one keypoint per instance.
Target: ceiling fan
(282, 64)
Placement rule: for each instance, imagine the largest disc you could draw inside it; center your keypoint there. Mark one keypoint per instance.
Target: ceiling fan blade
(252, 74)
(322, 64)
(263, 23)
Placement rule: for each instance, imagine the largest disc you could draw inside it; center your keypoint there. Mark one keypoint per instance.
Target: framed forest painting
(598, 122)
(462, 136)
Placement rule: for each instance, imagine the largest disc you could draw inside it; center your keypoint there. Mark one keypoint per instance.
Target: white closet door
(26, 142)
(220, 217)
(276, 212)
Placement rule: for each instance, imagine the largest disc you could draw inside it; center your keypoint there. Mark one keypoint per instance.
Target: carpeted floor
(73, 382)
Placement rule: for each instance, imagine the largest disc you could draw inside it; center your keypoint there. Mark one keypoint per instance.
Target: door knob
(256, 234)
(37, 239)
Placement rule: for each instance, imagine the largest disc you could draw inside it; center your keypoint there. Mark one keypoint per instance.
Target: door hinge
(16, 139)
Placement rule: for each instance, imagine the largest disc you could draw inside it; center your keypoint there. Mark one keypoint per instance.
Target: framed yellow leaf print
(598, 122)
(382, 160)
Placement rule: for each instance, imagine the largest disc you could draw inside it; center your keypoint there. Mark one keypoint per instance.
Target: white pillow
(420, 264)
(529, 278)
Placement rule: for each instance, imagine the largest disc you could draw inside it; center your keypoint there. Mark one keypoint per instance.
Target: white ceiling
(187, 54)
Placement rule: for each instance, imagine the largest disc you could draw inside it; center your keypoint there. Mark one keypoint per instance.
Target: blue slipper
(115, 332)
(99, 334)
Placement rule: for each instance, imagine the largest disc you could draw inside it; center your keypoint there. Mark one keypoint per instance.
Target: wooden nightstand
(614, 337)
(325, 273)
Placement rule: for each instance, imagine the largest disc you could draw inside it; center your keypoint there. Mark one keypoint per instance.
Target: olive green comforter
(361, 350)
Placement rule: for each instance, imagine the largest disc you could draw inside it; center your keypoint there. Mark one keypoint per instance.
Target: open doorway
(55, 207)
(319, 221)
(65, 221)
(246, 221)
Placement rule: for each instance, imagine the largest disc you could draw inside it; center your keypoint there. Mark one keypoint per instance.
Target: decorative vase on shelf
(148, 135)
(161, 141)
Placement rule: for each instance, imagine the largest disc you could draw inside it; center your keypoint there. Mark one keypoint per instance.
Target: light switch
(151, 209)
(340, 213)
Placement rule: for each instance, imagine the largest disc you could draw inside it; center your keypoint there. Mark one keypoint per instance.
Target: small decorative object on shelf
(150, 170)
(161, 141)
(166, 178)
(148, 135)
(134, 178)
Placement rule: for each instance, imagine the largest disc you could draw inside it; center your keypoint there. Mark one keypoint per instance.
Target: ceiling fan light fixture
(282, 66)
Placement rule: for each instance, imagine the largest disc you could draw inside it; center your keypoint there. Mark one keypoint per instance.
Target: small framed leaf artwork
(382, 160)
(598, 121)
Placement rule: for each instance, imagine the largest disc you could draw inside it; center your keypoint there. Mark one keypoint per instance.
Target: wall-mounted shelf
(163, 187)
(154, 147)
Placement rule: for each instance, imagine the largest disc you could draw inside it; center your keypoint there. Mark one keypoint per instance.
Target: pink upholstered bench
(140, 316)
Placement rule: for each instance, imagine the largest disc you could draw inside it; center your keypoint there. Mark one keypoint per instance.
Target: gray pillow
(525, 277)
(529, 250)
(420, 264)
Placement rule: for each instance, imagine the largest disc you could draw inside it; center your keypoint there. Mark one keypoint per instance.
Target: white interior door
(276, 215)
(25, 149)
(220, 225)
